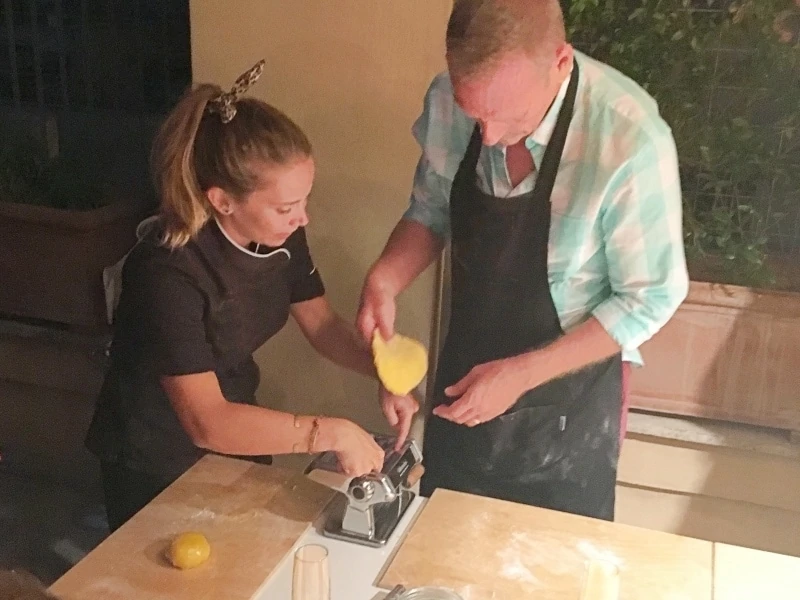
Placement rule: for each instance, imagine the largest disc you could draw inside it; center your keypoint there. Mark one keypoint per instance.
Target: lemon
(189, 550)
(401, 362)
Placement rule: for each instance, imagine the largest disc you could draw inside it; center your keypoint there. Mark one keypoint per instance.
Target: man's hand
(486, 392)
(411, 248)
(376, 309)
(399, 411)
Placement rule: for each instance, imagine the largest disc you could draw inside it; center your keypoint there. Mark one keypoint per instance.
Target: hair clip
(225, 103)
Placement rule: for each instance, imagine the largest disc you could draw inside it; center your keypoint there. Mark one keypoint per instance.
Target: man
(556, 183)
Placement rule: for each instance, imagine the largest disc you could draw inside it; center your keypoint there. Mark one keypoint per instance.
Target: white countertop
(354, 568)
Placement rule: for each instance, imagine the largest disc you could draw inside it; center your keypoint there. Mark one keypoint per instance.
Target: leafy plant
(726, 76)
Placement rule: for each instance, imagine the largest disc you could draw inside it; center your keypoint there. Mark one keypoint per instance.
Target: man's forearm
(586, 344)
(411, 248)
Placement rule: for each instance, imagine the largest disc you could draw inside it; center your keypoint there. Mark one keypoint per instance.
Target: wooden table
(488, 549)
(251, 514)
(485, 549)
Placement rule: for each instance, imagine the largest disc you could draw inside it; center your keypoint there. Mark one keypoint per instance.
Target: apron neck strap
(555, 147)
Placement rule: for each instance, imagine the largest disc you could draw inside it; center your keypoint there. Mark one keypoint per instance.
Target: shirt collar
(248, 251)
(543, 133)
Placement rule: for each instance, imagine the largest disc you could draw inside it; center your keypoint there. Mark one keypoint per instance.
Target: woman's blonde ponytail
(184, 207)
(200, 147)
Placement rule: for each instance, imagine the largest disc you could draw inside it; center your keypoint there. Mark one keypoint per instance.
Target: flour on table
(591, 552)
(514, 569)
(114, 588)
(529, 553)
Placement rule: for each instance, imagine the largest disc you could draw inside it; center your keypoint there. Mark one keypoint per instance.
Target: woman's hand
(399, 412)
(357, 450)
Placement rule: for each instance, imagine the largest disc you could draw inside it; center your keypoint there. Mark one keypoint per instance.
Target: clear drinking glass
(310, 577)
(600, 580)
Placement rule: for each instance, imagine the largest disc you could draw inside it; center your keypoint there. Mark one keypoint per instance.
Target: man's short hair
(480, 32)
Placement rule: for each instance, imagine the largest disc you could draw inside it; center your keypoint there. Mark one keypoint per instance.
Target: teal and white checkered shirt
(616, 242)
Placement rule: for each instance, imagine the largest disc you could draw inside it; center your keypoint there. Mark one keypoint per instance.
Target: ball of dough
(189, 550)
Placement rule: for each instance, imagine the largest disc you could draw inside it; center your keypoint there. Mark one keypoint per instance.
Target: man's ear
(565, 54)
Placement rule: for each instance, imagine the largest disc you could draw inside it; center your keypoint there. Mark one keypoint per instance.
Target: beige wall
(353, 74)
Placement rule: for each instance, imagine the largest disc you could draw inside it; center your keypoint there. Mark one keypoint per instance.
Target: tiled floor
(46, 528)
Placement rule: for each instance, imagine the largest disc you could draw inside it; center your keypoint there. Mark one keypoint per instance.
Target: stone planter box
(729, 353)
(52, 260)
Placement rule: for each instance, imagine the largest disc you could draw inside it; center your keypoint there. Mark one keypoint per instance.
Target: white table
(354, 568)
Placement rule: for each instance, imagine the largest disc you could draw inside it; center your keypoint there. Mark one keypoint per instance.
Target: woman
(216, 277)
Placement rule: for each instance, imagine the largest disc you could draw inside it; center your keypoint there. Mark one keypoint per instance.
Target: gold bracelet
(312, 437)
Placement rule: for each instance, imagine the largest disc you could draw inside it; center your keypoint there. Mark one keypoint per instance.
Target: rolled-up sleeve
(643, 241)
(429, 200)
(442, 132)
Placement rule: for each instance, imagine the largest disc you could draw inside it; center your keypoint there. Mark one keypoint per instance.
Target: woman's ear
(220, 200)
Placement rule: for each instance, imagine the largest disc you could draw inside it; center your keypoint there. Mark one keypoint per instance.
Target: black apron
(557, 447)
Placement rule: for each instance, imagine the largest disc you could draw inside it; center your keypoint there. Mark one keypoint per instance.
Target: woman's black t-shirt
(206, 306)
